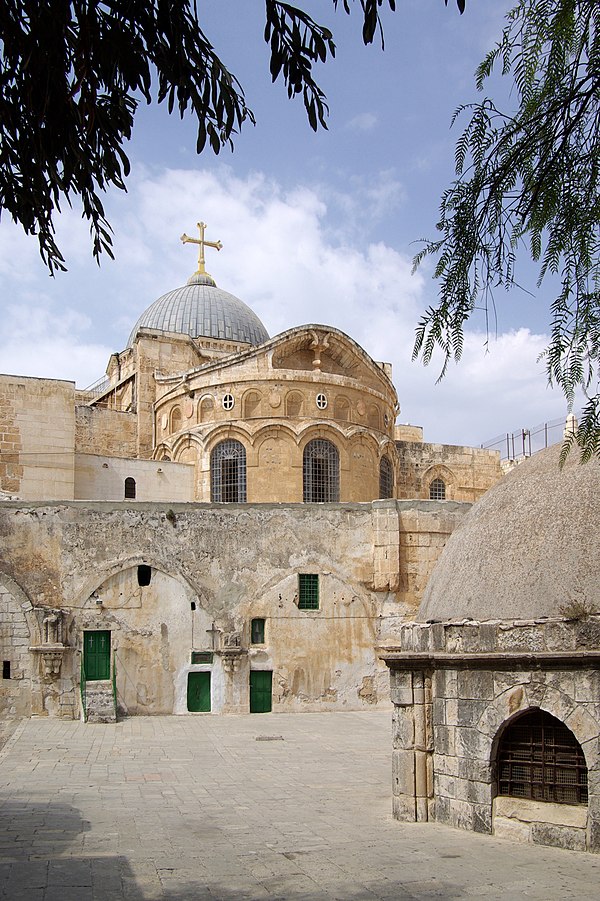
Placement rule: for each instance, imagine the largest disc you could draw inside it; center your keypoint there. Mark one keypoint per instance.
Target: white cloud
(363, 122)
(293, 259)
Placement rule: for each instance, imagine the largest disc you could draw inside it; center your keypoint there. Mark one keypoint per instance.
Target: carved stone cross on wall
(202, 243)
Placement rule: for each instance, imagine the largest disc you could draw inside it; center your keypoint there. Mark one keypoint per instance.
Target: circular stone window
(228, 402)
(321, 401)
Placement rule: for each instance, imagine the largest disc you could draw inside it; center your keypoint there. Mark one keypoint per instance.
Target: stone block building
(496, 683)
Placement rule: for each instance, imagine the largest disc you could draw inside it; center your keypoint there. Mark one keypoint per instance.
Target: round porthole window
(321, 401)
(228, 402)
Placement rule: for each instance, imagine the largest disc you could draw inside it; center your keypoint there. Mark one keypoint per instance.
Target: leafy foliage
(530, 178)
(72, 73)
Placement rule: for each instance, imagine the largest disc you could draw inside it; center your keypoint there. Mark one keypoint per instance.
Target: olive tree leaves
(530, 178)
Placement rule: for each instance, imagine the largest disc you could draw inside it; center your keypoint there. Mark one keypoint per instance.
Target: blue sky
(315, 227)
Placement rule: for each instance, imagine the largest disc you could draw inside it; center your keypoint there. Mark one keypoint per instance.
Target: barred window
(540, 758)
(308, 591)
(321, 472)
(129, 489)
(386, 478)
(228, 473)
(437, 490)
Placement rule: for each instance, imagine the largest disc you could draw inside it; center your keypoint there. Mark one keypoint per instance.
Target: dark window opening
(257, 631)
(437, 490)
(308, 591)
(202, 657)
(386, 478)
(228, 473)
(144, 574)
(6, 669)
(540, 758)
(129, 489)
(193, 605)
(321, 472)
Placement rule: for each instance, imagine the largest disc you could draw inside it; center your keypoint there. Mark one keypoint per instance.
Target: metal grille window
(321, 401)
(540, 758)
(257, 631)
(129, 489)
(321, 472)
(308, 591)
(437, 490)
(228, 473)
(228, 402)
(386, 478)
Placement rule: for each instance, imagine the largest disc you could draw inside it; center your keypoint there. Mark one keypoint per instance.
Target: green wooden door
(260, 691)
(96, 655)
(198, 692)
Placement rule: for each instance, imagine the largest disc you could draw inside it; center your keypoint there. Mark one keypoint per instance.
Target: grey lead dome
(200, 309)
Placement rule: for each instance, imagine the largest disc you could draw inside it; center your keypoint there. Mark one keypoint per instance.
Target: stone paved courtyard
(248, 807)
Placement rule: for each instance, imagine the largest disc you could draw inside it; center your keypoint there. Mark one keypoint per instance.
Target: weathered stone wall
(107, 432)
(475, 677)
(235, 563)
(103, 478)
(467, 472)
(37, 427)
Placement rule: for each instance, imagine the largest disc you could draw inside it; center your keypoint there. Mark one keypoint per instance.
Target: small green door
(261, 682)
(96, 655)
(198, 692)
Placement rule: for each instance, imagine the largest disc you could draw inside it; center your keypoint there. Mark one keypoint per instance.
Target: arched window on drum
(386, 478)
(228, 473)
(321, 472)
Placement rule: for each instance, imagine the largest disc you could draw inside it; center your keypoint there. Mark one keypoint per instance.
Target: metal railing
(525, 442)
(99, 386)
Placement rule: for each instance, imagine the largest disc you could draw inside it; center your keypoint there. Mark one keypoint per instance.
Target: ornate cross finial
(202, 243)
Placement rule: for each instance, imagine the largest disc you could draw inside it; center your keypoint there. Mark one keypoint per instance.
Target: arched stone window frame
(386, 478)
(374, 417)
(206, 406)
(320, 472)
(228, 472)
(438, 471)
(129, 489)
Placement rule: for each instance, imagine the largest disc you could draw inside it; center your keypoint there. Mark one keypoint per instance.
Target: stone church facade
(234, 523)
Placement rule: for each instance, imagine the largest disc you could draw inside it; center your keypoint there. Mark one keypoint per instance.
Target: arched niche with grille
(437, 490)
(386, 478)
(539, 758)
(130, 489)
(321, 472)
(251, 404)
(228, 472)
(294, 403)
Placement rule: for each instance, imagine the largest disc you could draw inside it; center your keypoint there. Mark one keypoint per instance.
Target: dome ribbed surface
(200, 309)
(530, 546)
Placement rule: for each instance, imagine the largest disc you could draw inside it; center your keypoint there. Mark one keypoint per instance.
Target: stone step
(100, 702)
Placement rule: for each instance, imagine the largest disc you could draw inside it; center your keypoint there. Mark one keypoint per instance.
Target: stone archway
(15, 657)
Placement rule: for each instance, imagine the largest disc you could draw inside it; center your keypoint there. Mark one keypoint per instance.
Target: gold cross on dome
(202, 243)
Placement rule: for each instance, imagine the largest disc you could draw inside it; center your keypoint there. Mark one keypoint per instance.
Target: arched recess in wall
(149, 664)
(438, 484)
(538, 758)
(206, 408)
(15, 639)
(176, 420)
(130, 489)
(341, 408)
(374, 417)
(294, 403)
(251, 404)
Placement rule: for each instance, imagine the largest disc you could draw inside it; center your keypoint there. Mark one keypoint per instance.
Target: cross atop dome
(202, 243)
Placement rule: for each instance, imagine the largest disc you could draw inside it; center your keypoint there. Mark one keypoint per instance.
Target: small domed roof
(200, 309)
(528, 547)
